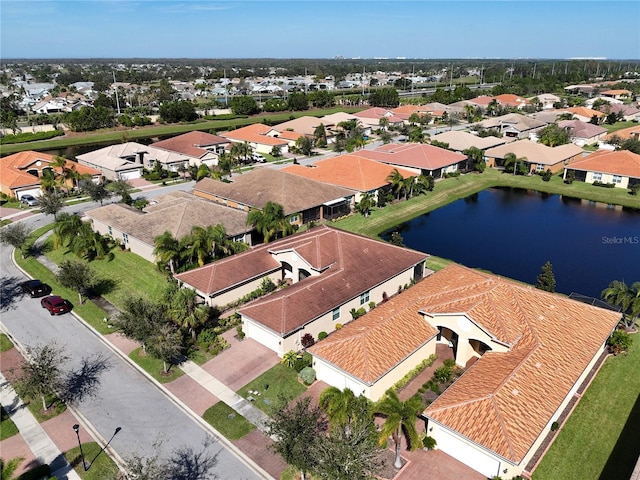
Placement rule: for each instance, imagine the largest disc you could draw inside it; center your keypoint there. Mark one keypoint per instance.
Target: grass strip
(227, 421)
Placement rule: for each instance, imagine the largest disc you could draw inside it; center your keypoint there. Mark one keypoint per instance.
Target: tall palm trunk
(396, 438)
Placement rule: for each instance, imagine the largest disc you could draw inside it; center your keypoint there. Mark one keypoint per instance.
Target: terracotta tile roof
(536, 152)
(406, 110)
(378, 113)
(13, 168)
(620, 162)
(503, 401)
(176, 213)
(351, 265)
(289, 135)
(625, 133)
(191, 143)
(616, 92)
(584, 112)
(482, 100)
(263, 185)
(374, 344)
(224, 274)
(349, 171)
(511, 100)
(255, 133)
(414, 155)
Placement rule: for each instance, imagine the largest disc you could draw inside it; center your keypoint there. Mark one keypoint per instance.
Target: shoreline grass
(598, 440)
(455, 188)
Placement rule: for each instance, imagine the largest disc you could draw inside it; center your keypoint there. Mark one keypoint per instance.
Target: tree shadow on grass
(104, 286)
(624, 456)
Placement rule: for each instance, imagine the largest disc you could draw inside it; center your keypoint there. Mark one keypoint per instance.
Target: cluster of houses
(527, 354)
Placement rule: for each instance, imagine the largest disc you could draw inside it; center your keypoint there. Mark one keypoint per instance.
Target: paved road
(126, 398)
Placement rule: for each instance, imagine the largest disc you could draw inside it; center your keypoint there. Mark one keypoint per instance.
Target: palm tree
(8, 467)
(167, 251)
(397, 182)
(320, 135)
(383, 123)
(625, 297)
(414, 119)
(270, 222)
(123, 189)
(366, 203)
(339, 405)
(514, 164)
(241, 151)
(469, 111)
(477, 158)
(400, 419)
(66, 228)
(187, 311)
(201, 243)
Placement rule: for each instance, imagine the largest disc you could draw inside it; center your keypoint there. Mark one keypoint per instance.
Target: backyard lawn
(279, 381)
(600, 438)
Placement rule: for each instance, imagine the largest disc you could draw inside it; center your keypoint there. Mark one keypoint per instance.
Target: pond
(513, 232)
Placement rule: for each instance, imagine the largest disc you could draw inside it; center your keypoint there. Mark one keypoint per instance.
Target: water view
(513, 232)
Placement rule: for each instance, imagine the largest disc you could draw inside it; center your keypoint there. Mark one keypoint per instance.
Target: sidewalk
(38, 441)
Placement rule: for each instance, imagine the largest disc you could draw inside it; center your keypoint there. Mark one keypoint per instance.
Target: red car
(55, 304)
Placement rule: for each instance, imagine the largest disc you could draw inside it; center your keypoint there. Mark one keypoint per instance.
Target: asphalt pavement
(126, 398)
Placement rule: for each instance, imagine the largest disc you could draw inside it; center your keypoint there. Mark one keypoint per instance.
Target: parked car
(29, 200)
(35, 288)
(55, 304)
(259, 158)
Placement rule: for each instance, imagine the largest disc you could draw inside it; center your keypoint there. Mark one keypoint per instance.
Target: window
(125, 237)
(335, 315)
(597, 177)
(539, 167)
(110, 231)
(617, 179)
(293, 219)
(364, 298)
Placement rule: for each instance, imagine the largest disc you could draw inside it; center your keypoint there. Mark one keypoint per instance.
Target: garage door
(467, 454)
(263, 336)
(36, 192)
(130, 175)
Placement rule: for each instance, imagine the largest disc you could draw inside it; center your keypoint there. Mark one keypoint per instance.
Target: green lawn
(5, 343)
(54, 407)
(7, 427)
(101, 467)
(154, 367)
(281, 381)
(227, 421)
(455, 188)
(618, 126)
(126, 274)
(600, 439)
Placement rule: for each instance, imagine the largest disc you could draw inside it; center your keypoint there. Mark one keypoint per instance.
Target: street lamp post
(76, 428)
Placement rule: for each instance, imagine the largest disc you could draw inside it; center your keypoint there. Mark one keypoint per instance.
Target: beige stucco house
(527, 353)
(176, 213)
(328, 272)
(537, 156)
(620, 168)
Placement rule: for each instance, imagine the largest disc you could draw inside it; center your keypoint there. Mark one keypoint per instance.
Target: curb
(174, 399)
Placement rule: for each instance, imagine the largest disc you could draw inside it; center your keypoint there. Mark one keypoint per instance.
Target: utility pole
(116, 89)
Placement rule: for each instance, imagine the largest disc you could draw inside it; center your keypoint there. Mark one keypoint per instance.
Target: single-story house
(306, 126)
(514, 341)
(625, 133)
(584, 114)
(424, 159)
(583, 133)
(176, 213)
(460, 141)
(511, 100)
(303, 200)
(619, 94)
(548, 100)
(539, 157)
(629, 113)
(620, 167)
(261, 138)
(371, 117)
(350, 171)
(200, 147)
(513, 125)
(126, 160)
(329, 273)
(20, 173)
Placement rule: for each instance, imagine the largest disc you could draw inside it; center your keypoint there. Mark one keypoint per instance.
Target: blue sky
(319, 29)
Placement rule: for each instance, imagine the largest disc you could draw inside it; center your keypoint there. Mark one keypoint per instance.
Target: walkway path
(33, 434)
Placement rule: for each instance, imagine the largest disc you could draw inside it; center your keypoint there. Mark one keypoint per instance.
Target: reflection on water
(513, 232)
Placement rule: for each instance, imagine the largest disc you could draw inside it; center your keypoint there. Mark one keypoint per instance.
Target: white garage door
(467, 454)
(36, 192)
(130, 175)
(263, 336)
